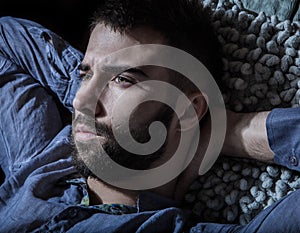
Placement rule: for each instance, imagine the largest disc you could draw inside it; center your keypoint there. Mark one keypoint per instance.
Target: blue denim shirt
(38, 80)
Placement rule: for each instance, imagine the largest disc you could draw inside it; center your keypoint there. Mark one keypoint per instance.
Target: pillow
(261, 62)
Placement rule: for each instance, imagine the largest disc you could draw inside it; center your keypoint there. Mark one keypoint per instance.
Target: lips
(84, 133)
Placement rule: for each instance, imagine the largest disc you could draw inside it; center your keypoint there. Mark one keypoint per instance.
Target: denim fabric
(38, 73)
(283, 128)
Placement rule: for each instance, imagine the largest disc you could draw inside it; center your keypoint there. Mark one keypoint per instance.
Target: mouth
(83, 133)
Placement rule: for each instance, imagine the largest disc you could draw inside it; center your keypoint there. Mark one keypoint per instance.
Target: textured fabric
(261, 61)
(36, 151)
(282, 8)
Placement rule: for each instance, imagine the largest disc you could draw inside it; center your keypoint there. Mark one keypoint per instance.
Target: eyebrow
(125, 68)
(136, 71)
(115, 69)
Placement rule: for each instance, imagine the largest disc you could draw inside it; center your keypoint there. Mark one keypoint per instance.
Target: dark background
(68, 18)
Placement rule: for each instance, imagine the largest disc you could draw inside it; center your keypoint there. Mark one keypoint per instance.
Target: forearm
(247, 137)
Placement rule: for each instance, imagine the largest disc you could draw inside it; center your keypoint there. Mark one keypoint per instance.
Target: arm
(37, 73)
(246, 136)
(41, 54)
(270, 136)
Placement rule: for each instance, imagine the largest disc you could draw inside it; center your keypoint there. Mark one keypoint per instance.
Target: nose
(88, 99)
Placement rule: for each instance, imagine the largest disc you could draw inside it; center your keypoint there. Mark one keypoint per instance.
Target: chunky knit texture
(261, 60)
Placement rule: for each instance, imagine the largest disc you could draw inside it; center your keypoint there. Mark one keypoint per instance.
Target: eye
(123, 80)
(86, 76)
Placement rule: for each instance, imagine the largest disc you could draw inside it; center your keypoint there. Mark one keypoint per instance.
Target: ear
(191, 114)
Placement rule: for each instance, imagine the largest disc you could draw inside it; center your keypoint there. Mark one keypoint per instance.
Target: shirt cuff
(283, 130)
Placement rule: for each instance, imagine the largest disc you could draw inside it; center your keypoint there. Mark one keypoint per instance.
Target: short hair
(186, 25)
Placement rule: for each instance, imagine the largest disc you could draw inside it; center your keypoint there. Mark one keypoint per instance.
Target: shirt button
(294, 160)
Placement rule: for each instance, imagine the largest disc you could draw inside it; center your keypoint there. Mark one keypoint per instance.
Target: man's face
(94, 108)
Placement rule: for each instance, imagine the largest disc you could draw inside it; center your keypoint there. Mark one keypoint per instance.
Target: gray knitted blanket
(261, 60)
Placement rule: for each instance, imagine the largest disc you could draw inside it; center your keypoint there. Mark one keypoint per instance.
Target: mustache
(141, 135)
(90, 122)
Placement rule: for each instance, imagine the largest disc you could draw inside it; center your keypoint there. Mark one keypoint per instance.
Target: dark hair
(185, 23)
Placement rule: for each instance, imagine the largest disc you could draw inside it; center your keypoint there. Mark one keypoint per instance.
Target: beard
(90, 149)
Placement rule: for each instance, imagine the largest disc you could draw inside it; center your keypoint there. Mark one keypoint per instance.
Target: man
(43, 192)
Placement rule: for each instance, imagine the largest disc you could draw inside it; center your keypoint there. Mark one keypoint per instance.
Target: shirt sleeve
(43, 55)
(29, 117)
(38, 76)
(283, 130)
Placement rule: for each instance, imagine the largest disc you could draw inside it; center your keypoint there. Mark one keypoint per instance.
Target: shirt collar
(146, 201)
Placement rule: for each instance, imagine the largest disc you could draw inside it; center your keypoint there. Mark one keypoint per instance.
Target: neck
(103, 193)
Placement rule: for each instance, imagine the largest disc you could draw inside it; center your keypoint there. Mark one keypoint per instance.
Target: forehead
(104, 41)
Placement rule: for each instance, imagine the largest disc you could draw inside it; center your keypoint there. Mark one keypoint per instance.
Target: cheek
(135, 105)
(146, 113)
(122, 103)
(108, 100)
